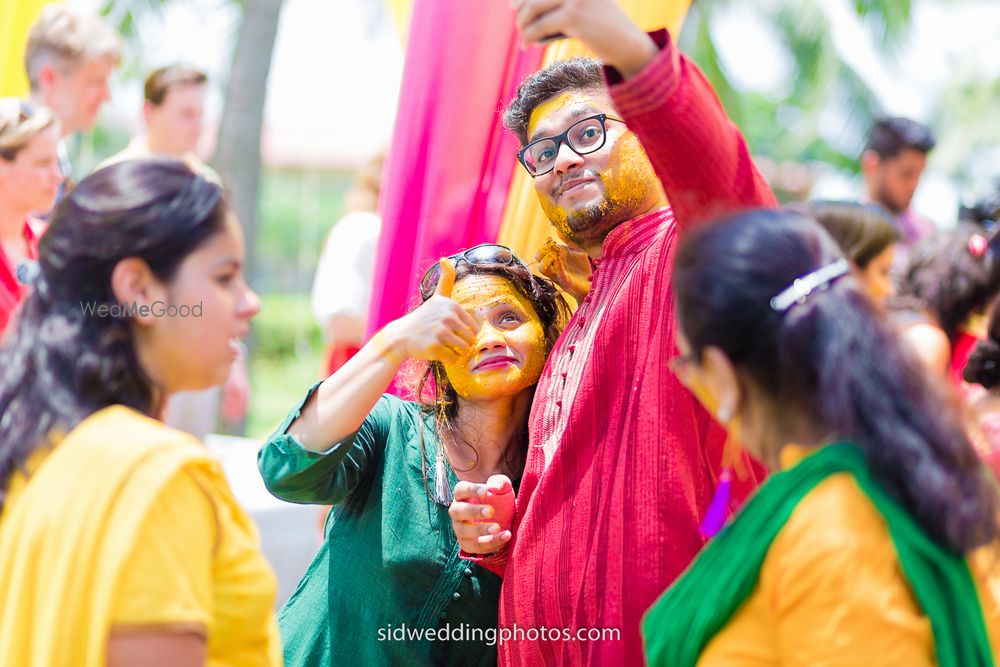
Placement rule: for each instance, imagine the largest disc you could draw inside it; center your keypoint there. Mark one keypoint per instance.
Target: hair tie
(802, 287)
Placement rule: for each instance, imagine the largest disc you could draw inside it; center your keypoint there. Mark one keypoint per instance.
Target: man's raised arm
(699, 155)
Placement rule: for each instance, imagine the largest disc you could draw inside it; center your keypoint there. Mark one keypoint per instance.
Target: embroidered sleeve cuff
(495, 562)
(646, 90)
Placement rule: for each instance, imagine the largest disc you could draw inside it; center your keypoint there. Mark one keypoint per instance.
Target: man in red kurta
(622, 462)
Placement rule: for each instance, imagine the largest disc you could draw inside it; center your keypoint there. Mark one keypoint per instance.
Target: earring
(725, 414)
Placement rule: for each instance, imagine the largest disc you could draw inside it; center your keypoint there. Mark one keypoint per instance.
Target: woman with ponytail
(390, 564)
(866, 545)
(120, 540)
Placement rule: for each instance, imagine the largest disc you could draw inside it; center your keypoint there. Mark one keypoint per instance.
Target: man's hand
(566, 266)
(482, 514)
(600, 24)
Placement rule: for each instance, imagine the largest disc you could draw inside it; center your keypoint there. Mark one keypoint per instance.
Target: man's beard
(590, 225)
(886, 200)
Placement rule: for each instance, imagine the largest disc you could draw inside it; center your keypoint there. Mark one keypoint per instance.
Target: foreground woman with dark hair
(120, 540)
(862, 549)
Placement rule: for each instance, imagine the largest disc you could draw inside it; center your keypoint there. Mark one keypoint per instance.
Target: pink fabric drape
(450, 162)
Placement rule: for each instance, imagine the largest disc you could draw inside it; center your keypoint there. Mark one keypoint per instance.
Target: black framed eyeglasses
(586, 135)
(484, 253)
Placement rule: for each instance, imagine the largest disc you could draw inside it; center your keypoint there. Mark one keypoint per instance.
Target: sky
(333, 86)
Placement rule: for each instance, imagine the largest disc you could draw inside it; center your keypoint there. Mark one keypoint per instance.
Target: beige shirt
(138, 149)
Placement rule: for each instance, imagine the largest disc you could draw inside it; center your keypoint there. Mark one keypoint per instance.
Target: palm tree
(237, 154)
(786, 125)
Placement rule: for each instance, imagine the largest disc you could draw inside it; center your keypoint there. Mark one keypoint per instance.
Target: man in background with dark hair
(173, 112)
(892, 164)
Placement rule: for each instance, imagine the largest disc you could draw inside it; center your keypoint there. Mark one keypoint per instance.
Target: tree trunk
(237, 155)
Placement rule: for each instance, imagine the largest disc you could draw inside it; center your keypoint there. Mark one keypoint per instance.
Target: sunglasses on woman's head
(484, 253)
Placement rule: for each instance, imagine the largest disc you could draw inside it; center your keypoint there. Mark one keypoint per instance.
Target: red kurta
(623, 462)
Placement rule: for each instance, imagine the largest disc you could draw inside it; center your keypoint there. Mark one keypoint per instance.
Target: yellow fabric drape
(524, 225)
(400, 11)
(98, 485)
(16, 18)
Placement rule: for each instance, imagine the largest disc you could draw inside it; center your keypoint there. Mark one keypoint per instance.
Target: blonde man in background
(69, 59)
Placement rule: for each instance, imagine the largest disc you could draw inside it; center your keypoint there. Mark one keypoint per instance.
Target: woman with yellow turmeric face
(478, 344)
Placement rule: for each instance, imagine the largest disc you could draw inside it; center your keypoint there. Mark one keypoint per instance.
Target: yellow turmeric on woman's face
(509, 352)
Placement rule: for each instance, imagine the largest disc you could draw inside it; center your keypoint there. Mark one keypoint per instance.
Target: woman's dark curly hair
(945, 278)
(983, 366)
(60, 362)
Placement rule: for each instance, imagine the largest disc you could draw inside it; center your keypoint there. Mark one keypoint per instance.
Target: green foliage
(286, 358)
(786, 125)
(969, 118)
(298, 207)
(285, 327)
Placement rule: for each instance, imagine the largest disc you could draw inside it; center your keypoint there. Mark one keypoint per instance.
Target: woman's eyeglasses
(484, 253)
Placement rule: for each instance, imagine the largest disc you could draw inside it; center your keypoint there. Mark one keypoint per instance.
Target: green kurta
(390, 559)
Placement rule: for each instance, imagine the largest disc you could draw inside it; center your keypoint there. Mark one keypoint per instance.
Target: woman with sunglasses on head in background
(866, 547)
(390, 564)
(29, 181)
(120, 540)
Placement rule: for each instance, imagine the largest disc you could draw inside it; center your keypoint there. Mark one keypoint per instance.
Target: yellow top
(127, 524)
(831, 592)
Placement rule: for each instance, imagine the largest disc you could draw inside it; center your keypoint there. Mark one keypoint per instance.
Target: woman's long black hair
(835, 360)
(61, 362)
